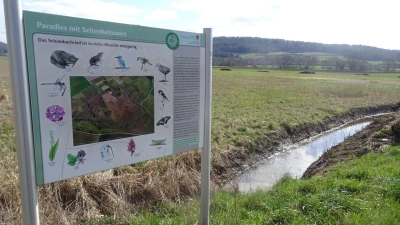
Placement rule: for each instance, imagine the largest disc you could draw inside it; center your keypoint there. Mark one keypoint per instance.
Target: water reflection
(294, 160)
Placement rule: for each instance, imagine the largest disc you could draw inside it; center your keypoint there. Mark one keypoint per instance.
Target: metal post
(22, 109)
(206, 153)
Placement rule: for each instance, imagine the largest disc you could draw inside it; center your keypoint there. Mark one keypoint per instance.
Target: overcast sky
(369, 22)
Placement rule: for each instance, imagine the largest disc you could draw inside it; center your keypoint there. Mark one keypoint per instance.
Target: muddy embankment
(381, 132)
(226, 166)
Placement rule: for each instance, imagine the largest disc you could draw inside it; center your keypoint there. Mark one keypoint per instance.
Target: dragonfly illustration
(58, 85)
(158, 142)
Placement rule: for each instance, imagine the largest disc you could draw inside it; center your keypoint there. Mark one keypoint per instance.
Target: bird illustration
(162, 96)
(121, 63)
(63, 60)
(144, 61)
(163, 69)
(95, 60)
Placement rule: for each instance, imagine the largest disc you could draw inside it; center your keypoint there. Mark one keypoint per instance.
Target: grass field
(79, 84)
(363, 191)
(246, 105)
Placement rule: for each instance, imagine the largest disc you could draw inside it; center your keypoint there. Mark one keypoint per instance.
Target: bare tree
(284, 61)
(307, 61)
(339, 63)
(389, 65)
(353, 60)
(352, 63)
(364, 66)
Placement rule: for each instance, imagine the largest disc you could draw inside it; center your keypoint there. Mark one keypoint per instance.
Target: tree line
(225, 47)
(297, 54)
(306, 62)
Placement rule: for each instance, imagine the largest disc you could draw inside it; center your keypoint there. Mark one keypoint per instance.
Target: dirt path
(373, 138)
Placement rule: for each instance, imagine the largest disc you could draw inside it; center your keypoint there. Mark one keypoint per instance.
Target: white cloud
(161, 15)
(3, 35)
(341, 21)
(90, 9)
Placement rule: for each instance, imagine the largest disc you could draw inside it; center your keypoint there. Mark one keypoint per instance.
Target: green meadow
(362, 191)
(248, 104)
(79, 84)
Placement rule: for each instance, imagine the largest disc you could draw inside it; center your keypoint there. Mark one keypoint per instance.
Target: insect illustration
(58, 85)
(144, 61)
(162, 96)
(164, 70)
(163, 121)
(95, 60)
(158, 142)
(121, 63)
(63, 60)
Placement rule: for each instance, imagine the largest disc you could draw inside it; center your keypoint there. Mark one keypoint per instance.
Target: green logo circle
(172, 41)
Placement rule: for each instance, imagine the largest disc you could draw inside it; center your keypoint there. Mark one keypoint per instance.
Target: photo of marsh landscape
(111, 107)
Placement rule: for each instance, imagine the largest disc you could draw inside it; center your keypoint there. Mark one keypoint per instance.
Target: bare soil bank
(226, 166)
(383, 131)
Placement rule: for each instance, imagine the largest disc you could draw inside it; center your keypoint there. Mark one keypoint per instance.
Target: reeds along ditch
(113, 192)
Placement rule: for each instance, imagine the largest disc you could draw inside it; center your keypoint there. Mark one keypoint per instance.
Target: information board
(105, 95)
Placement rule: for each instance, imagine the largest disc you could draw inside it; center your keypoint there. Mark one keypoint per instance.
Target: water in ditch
(293, 160)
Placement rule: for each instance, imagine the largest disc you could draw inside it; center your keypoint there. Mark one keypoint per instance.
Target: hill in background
(284, 54)
(225, 47)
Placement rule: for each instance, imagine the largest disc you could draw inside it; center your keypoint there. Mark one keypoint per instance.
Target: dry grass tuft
(3, 97)
(118, 192)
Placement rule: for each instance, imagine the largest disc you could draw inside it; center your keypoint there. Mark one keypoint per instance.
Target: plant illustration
(131, 147)
(55, 113)
(54, 146)
(72, 160)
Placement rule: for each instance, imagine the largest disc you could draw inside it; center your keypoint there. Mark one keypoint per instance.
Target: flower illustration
(55, 113)
(72, 160)
(81, 153)
(131, 146)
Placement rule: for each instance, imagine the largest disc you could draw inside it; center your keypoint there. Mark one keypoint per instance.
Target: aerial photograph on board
(107, 108)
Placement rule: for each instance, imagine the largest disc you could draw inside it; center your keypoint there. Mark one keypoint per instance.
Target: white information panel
(105, 95)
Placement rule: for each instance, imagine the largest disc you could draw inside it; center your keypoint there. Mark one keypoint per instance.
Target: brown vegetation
(112, 192)
(3, 97)
(225, 69)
